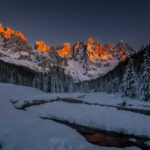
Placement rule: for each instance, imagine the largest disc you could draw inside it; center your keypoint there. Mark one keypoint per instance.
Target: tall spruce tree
(129, 81)
(145, 78)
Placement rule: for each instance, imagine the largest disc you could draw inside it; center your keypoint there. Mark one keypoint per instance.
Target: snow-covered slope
(77, 71)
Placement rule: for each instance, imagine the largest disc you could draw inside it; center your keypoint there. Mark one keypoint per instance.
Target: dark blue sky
(58, 21)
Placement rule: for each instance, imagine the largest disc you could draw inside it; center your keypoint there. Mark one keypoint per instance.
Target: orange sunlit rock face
(1, 28)
(123, 57)
(20, 35)
(92, 50)
(122, 51)
(95, 50)
(77, 46)
(41, 46)
(104, 56)
(8, 32)
(65, 50)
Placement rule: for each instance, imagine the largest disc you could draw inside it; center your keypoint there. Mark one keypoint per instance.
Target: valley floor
(33, 120)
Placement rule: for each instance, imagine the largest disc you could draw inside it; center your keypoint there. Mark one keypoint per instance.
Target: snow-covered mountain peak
(41, 46)
(83, 60)
(124, 46)
(7, 33)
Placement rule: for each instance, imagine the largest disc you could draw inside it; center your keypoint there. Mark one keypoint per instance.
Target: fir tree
(145, 79)
(45, 82)
(129, 81)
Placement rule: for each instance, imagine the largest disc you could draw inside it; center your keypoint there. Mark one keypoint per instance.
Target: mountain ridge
(82, 61)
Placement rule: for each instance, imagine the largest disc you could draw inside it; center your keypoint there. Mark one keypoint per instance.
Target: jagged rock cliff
(82, 61)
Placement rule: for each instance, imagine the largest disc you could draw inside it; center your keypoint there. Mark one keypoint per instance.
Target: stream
(105, 138)
(92, 135)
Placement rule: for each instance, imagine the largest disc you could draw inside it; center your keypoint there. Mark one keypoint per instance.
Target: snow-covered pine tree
(71, 86)
(45, 82)
(129, 81)
(40, 81)
(34, 82)
(52, 81)
(60, 86)
(145, 78)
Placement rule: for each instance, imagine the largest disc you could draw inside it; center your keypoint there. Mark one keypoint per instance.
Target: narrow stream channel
(76, 101)
(92, 135)
(106, 138)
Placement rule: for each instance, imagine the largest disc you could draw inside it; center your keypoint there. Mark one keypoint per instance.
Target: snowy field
(25, 130)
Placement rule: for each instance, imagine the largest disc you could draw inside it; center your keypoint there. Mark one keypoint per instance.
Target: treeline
(53, 81)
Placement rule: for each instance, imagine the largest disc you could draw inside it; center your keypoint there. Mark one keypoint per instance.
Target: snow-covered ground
(24, 130)
(109, 119)
(21, 130)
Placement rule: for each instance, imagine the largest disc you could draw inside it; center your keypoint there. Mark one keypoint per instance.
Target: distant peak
(1, 28)
(8, 33)
(64, 50)
(121, 41)
(41, 46)
(20, 35)
(125, 49)
(92, 40)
